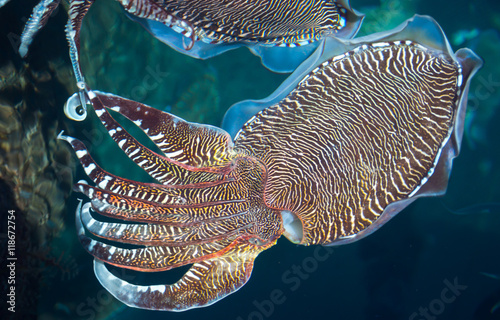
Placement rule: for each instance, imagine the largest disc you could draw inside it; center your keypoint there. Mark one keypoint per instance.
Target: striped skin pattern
(360, 132)
(37, 20)
(363, 130)
(288, 23)
(270, 22)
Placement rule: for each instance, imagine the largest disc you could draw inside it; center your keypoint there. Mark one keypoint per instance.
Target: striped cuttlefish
(360, 130)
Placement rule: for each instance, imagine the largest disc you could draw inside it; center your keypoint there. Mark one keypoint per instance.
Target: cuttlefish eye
(74, 109)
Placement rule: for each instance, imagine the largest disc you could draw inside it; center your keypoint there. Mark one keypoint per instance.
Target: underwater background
(442, 244)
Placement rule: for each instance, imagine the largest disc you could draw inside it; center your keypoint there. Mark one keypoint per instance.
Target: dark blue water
(438, 259)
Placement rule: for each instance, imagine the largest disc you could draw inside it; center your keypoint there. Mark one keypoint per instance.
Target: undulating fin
(419, 29)
(37, 21)
(205, 283)
(437, 183)
(283, 33)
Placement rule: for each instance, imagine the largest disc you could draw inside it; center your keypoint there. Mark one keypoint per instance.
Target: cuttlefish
(360, 130)
(283, 33)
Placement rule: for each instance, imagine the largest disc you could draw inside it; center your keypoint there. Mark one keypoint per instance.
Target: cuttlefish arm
(206, 209)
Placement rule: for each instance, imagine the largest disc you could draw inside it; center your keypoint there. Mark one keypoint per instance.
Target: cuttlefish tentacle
(144, 202)
(136, 201)
(137, 210)
(168, 245)
(205, 283)
(187, 143)
(36, 22)
(171, 234)
(166, 169)
(152, 257)
(188, 200)
(77, 11)
(224, 264)
(190, 197)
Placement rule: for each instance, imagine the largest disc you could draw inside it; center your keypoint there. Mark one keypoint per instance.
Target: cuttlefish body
(283, 33)
(360, 130)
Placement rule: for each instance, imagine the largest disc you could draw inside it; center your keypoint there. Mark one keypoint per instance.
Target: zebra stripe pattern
(361, 131)
(278, 22)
